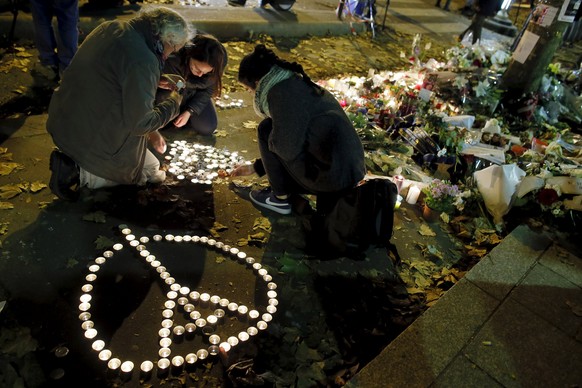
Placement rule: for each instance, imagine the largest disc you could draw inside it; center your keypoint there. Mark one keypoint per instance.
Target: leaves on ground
(6, 205)
(10, 191)
(97, 217)
(262, 223)
(103, 242)
(425, 230)
(250, 124)
(7, 168)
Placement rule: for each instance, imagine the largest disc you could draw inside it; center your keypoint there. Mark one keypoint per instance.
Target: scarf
(272, 78)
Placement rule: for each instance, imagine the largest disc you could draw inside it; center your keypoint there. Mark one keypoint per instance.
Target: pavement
(514, 320)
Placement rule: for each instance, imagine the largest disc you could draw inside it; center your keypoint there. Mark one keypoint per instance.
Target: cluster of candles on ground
(188, 301)
(225, 102)
(200, 163)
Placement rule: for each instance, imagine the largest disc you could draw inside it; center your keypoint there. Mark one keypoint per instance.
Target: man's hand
(158, 142)
(172, 82)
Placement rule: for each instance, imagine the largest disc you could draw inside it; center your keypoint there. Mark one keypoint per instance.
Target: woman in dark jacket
(201, 63)
(306, 141)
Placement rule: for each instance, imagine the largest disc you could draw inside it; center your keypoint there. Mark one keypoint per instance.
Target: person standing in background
(484, 9)
(55, 51)
(447, 4)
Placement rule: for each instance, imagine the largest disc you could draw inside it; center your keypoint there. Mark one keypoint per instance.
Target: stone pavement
(307, 17)
(515, 320)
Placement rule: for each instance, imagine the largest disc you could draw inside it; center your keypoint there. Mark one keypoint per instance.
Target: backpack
(360, 218)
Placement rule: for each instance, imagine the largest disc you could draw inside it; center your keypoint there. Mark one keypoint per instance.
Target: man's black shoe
(237, 3)
(65, 176)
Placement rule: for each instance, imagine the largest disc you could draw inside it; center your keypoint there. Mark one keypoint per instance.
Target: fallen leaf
(9, 191)
(98, 217)
(103, 242)
(7, 167)
(262, 223)
(6, 205)
(37, 186)
(250, 124)
(425, 230)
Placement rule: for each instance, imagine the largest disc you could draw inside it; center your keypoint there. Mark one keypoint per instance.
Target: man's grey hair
(169, 25)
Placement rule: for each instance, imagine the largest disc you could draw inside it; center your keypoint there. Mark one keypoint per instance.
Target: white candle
(412, 196)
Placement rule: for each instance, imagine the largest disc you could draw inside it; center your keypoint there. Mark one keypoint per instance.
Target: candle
(398, 181)
(413, 193)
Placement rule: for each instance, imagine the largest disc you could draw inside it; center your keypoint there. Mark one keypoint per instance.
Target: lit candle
(398, 181)
(412, 196)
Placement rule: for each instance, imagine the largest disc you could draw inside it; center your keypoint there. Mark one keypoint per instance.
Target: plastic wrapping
(497, 185)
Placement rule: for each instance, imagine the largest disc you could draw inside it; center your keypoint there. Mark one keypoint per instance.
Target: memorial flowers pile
(442, 196)
(446, 118)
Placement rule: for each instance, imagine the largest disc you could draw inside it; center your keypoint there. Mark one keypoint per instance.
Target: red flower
(547, 197)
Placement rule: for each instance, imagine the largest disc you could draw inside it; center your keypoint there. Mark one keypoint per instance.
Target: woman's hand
(243, 170)
(182, 119)
(158, 142)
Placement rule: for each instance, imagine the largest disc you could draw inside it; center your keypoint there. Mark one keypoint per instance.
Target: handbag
(360, 218)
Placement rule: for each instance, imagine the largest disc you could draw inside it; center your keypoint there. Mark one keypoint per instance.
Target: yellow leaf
(6, 205)
(37, 186)
(425, 230)
(7, 168)
(250, 124)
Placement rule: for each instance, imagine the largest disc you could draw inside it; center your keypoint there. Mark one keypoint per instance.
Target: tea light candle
(225, 346)
(105, 355)
(127, 366)
(191, 358)
(243, 336)
(202, 354)
(114, 363)
(398, 181)
(413, 193)
(146, 366)
(98, 345)
(177, 360)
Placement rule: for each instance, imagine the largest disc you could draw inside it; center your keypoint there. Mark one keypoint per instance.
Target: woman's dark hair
(206, 48)
(257, 64)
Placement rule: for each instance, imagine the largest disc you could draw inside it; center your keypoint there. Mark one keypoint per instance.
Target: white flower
(460, 81)
(500, 57)
(482, 88)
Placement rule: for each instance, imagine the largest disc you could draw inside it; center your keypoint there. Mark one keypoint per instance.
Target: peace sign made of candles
(181, 297)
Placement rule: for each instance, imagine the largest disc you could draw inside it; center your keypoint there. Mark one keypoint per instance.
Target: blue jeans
(55, 51)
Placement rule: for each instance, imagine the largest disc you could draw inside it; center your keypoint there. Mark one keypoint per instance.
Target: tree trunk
(523, 78)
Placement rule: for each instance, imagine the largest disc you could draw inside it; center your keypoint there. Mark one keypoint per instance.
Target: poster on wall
(544, 15)
(569, 10)
(525, 46)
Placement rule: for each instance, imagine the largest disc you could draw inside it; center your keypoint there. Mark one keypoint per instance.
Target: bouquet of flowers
(441, 195)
